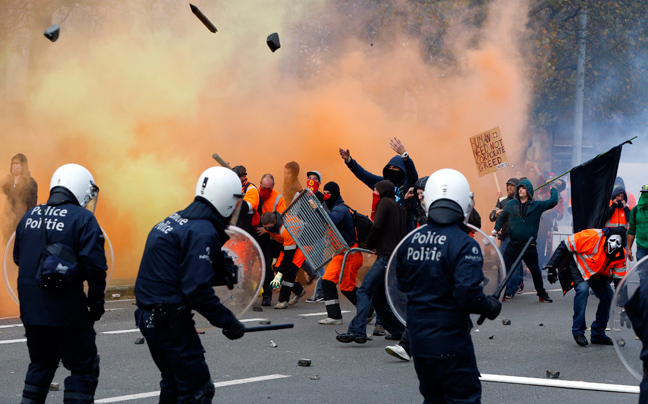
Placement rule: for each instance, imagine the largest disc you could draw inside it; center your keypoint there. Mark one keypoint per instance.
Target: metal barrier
(314, 232)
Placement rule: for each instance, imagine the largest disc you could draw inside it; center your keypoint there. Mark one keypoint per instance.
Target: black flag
(591, 189)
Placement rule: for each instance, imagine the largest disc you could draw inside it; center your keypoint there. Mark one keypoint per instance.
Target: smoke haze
(142, 98)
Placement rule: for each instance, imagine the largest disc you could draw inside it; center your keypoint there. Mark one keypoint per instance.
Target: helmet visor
(93, 195)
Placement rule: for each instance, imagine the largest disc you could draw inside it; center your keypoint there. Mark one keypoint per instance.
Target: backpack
(362, 225)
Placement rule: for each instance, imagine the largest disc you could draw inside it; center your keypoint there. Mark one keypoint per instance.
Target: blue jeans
(641, 252)
(603, 291)
(520, 268)
(372, 292)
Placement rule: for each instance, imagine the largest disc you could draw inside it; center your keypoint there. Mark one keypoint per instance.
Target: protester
(269, 201)
(57, 314)
(288, 263)
(523, 215)
(21, 191)
(387, 231)
(341, 217)
(313, 182)
(249, 218)
(291, 185)
(638, 226)
(597, 257)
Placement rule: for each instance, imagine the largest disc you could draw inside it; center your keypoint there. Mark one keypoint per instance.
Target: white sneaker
(330, 321)
(295, 298)
(398, 351)
(281, 305)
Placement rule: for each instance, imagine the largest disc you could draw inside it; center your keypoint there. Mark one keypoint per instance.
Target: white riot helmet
(451, 185)
(222, 188)
(78, 180)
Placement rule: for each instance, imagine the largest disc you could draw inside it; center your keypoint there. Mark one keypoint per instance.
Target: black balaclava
(395, 176)
(334, 189)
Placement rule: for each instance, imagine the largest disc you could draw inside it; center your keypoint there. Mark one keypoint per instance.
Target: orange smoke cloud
(145, 105)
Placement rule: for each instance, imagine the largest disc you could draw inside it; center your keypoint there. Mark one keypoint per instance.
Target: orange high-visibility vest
(618, 219)
(284, 238)
(275, 203)
(588, 247)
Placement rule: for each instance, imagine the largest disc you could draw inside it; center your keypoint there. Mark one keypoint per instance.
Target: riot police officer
(58, 246)
(182, 261)
(439, 266)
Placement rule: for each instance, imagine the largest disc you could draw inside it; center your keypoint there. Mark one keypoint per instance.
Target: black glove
(618, 204)
(235, 330)
(493, 308)
(96, 312)
(552, 273)
(625, 321)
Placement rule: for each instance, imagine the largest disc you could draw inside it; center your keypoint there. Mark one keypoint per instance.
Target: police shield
(626, 343)
(494, 271)
(10, 270)
(247, 256)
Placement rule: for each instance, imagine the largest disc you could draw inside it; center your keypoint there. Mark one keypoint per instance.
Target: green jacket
(524, 218)
(639, 221)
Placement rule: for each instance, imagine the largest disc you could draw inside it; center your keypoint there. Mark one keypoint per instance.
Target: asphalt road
(250, 371)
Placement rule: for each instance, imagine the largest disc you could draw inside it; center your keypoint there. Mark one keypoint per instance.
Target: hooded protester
(523, 216)
(400, 171)
(420, 215)
(511, 184)
(22, 194)
(631, 202)
(340, 216)
(619, 212)
(388, 230)
(589, 259)
(638, 229)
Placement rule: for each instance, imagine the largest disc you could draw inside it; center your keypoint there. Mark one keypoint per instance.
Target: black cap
(52, 33)
(512, 181)
(273, 41)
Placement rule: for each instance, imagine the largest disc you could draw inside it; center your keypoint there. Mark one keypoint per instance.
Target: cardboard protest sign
(488, 151)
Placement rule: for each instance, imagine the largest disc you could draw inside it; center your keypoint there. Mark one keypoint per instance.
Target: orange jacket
(275, 203)
(284, 238)
(251, 196)
(618, 218)
(589, 247)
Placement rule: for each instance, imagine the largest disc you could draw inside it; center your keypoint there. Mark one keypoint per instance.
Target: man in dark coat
(388, 230)
(22, 194)
(57, 315)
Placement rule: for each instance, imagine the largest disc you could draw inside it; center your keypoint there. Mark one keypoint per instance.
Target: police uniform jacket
(178, 263)
(66, 223)
(439, 268)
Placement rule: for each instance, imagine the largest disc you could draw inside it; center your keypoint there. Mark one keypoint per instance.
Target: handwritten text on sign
(488, 150)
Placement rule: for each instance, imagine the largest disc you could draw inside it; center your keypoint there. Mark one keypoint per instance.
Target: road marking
(564, 384)
(217, 384)
(319, 314)
(13, 341)
(11, 325)
(534, 292)
(120, 300)
(247, 320)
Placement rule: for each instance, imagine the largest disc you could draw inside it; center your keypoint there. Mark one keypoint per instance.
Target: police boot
(168, 399)
(331, 303)
(34, 394)
(205, 393)
(352, 295)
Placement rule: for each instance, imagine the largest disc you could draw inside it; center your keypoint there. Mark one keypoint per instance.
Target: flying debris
(273, 41)
(52, 32)
(203, 19)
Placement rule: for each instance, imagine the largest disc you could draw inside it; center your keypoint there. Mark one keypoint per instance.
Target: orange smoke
(144, 103)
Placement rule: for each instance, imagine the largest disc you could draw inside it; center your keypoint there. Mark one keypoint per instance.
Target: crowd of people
(183, 260)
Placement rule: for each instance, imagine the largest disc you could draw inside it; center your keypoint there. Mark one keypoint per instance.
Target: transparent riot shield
(247, 255)
(10, 270)
(626, 343)
(494, 271)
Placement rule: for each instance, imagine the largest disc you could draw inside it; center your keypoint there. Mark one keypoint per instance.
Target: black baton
(269, 327)
(508, 276)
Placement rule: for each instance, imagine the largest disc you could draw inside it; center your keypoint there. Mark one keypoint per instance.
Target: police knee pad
(205, 393)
